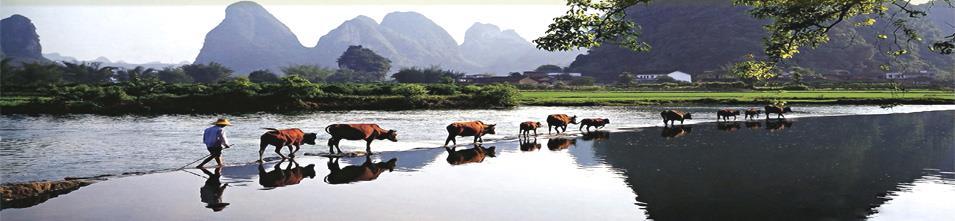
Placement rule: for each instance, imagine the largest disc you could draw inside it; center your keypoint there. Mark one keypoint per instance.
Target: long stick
(197, 160)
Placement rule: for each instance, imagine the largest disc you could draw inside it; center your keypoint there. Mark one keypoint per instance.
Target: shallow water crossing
(878, 167)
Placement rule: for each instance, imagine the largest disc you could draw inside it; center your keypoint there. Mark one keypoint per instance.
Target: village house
(676, 75)
(909, 75)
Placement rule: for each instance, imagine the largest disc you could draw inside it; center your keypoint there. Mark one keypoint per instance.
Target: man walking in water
(214, 138)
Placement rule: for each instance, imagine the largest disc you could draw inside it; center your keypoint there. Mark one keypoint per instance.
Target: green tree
(32, 74)
(583, 81)
(625, 78)
(87, 73)
(410, 90)
(174, 75)
(433, 74)
(135, 74)
(311, 73)
(351, 76)
(263, 76)
(207, 73)
(549, 68)
(795, 24)
(364, 61)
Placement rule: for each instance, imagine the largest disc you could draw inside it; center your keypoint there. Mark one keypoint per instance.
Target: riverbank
(632, 98)
(629, 174)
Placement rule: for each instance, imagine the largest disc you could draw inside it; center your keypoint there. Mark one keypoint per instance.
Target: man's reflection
(367, 171)
(211, 192)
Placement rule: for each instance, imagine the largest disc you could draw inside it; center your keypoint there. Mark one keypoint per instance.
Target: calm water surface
(53, 147)
(878, 167)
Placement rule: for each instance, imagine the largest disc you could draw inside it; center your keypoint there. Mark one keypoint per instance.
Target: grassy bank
(621, 98)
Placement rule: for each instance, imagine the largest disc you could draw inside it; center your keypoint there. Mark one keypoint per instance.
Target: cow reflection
(211, 192)
(733, 126)
(473, 155)
(291, 175)
(367, 171)
(675, 131)
(528, 145)
(596, 135)
(753, 124)
(774, 125)
(559, 143)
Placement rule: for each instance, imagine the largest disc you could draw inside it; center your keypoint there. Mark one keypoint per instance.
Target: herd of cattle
(294, 138)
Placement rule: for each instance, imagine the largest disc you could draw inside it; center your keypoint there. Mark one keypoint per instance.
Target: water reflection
(596, 135)
(211, 192)
(473, 155)
(528, 145)
(367, 171)
(753, 124)
(778, 124)
(291, 175)
(728, 126)
(821, 170)
(675, 131)
(560, 143)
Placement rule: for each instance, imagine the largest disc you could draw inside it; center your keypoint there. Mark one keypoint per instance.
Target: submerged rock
(22, 195)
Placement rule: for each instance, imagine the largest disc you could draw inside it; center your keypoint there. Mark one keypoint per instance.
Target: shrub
(410, 90)
(442, 89)
(498, 95)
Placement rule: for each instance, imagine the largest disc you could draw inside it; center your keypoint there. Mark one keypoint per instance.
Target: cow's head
(537, 124)
(310, 138)
(787, 110)
(392, 135)
(489, 129)
(687, 116)
(309, 171)
(573, 120)
(606, 120)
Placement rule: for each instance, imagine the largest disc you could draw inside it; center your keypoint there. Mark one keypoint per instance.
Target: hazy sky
(172, 31)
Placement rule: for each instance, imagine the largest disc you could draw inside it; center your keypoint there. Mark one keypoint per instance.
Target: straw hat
(222, 122)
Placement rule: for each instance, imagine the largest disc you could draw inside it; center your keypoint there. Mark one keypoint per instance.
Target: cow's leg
(664, 122)
(262, 151)
(278, 150)
(297, 147)
(331, 145)
(476, 137)
(548, 128)
(681, 121)
(368, 146)
(535, 132)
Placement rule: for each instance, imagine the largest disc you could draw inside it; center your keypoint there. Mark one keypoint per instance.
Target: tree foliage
(309, 72)
(364, 61)
(174, 75)
(433, 74)
(87, 73)
(549, 68)
(263, 76)
(210, 73)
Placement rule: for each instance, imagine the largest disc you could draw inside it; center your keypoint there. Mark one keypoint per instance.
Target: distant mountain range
(250, 38)
(107, 62)
(709, 35)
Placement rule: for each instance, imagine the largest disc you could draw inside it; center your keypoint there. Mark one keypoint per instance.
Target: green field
(754, 97)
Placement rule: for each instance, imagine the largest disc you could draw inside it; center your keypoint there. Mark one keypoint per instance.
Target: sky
(172, 31)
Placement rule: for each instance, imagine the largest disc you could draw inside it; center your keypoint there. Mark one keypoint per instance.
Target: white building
(902, 76)
(676, 75)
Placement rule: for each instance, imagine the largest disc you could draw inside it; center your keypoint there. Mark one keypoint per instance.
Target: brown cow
(289, 176)
(675, 131)
(287, 137)
(473, 155)
(752, 113)
(468, 128)
(367, 171)
(726, 114)
(771, 109)
(674, 115)
(366, 132)
(528, 126)
(559, 143)
(527, 145)
(597, 123)
(560, 121)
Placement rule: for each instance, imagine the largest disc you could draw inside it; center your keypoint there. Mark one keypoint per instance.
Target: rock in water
(22, 195)
(19, 40)
(250, 38)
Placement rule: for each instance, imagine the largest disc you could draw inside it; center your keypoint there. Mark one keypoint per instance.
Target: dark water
(878, 167)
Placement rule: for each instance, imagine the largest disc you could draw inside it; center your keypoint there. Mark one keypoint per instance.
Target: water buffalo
(289, 176)
(527, 145)
(674, 115)
(366, 132)
(367, 171)
(779, 111)
(468, 128)
(559, 143)
(281, 138)
(559, 121)
(597, 123)
(726, 114)
(528, 126)
(473, 155)
(675, 131)
(752, 113)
